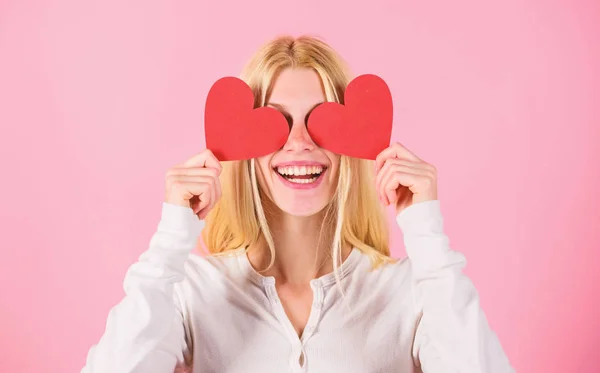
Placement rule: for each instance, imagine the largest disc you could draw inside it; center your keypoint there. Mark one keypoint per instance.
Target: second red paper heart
(362, 127)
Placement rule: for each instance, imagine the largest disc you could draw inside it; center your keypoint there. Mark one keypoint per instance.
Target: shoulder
(212, 274)
(394, 276)
(227, 263)
(387, 288)
(397, 270)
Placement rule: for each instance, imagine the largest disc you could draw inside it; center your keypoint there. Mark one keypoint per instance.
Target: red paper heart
(360, 128)
(233, 129)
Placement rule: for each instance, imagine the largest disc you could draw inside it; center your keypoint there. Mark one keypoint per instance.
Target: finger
(396, 150)
(206, 158)
(390, 188)
(195, 186)
(384, 175)
(204, 192)
(206, 204)
(192, 171)
(203, 213)
(199, 171)
(398, 176)
(418, 167)
(396, 161)
(379, 179)
(218, 192)
(188, 182)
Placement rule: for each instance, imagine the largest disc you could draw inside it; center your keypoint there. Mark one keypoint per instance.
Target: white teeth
(303, 181)
(300, 170)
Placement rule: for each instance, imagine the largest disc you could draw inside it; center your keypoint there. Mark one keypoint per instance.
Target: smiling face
(300, 178)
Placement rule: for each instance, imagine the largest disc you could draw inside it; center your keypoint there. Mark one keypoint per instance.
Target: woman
(300, 277)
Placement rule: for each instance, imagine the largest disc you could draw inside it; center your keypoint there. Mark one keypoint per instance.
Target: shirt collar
(328, 279)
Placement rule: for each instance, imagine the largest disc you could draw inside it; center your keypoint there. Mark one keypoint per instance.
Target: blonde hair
(355, 214)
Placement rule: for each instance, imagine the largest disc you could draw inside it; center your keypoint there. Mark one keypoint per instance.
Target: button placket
(298, 358)
(315, 314)
(302, 359)
(271, 293)
(281, 315)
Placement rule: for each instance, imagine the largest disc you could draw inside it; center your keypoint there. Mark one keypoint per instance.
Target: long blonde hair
(354, 215)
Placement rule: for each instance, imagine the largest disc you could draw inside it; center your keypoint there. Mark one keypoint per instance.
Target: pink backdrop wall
(99, 98)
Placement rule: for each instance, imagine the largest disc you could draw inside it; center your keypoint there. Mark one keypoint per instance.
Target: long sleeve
(452, 334)
(145, 331)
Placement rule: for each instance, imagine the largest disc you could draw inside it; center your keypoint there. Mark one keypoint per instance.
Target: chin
(302, 208)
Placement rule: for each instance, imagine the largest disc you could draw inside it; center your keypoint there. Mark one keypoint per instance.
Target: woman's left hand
(403, 179)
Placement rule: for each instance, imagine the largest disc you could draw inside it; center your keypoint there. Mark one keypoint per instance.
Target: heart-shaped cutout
(234, 129)
(360, 128)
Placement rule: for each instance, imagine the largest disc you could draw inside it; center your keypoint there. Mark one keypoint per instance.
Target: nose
(299, 139)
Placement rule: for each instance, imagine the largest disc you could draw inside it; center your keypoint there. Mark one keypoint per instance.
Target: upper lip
(299, 163)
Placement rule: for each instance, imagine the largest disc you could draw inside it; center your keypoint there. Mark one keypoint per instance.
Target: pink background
(99, 98)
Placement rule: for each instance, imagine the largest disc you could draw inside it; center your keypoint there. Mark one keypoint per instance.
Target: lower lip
(293, 185)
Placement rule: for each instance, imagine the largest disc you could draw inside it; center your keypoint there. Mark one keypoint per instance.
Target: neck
(302, 250)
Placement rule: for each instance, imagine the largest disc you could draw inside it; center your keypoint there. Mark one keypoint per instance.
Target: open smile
(301, 175)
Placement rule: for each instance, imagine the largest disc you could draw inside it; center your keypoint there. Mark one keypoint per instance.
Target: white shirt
(419, 314)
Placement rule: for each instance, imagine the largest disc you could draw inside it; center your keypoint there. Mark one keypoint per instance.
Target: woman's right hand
(195, 183)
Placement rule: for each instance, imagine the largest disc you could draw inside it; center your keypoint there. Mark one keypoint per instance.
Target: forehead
(297, 86)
